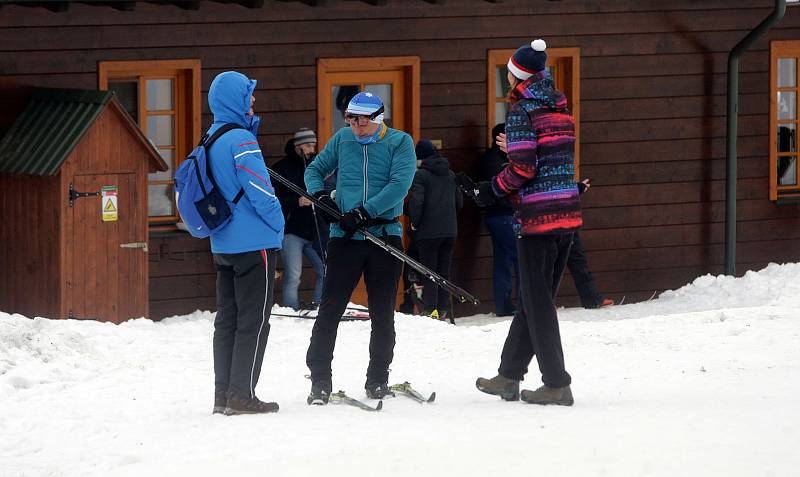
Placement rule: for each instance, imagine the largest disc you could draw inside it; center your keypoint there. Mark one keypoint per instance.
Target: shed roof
(52, 124)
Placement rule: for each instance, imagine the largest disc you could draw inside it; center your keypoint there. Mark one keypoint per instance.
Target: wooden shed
(73, 184)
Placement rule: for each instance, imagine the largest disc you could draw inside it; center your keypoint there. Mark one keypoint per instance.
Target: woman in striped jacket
(539, 182)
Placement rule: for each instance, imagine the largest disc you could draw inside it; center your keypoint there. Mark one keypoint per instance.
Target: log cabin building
(646, 80)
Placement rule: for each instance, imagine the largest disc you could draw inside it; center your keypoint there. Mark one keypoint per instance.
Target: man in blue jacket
(376, 165)
(245, 250)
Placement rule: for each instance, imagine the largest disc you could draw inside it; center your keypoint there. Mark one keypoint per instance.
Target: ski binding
(406, 390)
(342, 398)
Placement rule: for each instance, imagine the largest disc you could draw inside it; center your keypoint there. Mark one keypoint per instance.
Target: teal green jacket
(376, 176)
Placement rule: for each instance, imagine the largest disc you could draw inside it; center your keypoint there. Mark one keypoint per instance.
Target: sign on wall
(109, 203)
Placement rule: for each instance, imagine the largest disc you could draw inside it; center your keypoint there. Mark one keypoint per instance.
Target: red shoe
(606, 302)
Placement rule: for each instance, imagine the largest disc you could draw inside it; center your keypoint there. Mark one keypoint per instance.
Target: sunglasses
(360, 120)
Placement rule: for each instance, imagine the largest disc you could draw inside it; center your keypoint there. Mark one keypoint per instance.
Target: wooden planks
(652, 113)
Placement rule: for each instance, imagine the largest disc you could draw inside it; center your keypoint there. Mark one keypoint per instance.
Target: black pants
(534, 329)
(584, 281)
(347, 260)
(436, 254)
(241, 328)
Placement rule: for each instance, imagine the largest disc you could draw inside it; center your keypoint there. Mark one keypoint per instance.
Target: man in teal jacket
(376, 165)
(245, 250)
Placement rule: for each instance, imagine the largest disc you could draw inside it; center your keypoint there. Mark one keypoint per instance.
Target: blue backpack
(202, 207)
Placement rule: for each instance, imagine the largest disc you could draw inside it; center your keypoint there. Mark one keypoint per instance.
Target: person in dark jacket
(500, 222)
(432, 210)
(302, 235)
(244, 251)
(578, 266)
(539, 181)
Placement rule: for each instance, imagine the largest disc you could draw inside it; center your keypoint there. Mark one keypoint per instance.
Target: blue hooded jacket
(236, 163)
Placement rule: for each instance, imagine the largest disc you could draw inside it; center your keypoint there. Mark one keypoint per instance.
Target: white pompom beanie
(528, 59)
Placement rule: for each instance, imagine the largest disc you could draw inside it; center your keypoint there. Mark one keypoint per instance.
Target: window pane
(384, 91)
(787, 72)
(168, 156)
(127, 95)
(160, 200)
(160, 130)
(159, 94)
(341, 96)
(500, 110)
(787, 170)
(787, 134)
(501, 82)
(787, 102)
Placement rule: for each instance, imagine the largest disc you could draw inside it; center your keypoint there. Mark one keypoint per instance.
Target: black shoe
(507, 389)
(378, 390)
(320, 393)
(248, 405)
(220, 401)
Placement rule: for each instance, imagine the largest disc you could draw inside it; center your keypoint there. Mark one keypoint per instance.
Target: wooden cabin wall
(652, 123)
(29, 245)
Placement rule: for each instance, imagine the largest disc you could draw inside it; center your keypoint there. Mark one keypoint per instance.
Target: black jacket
(494, 160)
(299, 220)
(434, 200)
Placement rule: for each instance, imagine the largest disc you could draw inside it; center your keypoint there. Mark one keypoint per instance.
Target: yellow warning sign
(109, 203)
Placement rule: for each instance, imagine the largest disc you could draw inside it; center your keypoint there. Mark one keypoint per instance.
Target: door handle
(142, 245)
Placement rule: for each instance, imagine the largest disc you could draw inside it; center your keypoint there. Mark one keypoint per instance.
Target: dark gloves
(484, 194)
(326, 199)
(353, 220)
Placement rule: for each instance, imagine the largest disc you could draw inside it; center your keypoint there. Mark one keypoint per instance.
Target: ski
(406, 390)
(342, 398)
(462, 295)
(350, 315)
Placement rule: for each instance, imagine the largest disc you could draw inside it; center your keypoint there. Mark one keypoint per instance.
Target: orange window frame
(789, 49)
(187, 105)
(565, 66)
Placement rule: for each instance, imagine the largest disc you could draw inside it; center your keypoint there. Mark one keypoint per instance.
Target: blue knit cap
(365, 104)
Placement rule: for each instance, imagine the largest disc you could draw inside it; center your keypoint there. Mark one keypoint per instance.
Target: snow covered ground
(703, 380)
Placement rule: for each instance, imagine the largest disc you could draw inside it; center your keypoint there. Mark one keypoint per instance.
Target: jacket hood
(288, 149)
(540, 90)
(438, 166)
(229, 98)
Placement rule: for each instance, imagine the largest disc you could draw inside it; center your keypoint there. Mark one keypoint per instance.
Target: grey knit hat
(304, 136)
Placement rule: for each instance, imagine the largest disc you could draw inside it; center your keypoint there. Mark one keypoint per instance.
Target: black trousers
(347, 260)
(436, 254)
(534, 329)
(578, 267)
(241, 328)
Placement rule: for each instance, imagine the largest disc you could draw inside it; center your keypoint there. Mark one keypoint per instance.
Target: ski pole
(462, 295)
(316, 223)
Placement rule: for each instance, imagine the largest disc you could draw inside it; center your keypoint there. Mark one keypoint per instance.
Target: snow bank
(702, 380)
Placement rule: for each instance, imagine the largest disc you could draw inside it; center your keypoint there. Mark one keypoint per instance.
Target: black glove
(326, 199)
(484, 194)
(353, 220)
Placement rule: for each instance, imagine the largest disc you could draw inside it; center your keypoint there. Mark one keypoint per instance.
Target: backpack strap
(206, 142)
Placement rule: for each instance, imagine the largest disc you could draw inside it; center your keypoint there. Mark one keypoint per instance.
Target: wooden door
(108, 277)
(336, 89)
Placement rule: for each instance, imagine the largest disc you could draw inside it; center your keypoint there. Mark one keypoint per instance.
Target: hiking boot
(246, 405)
(220, 401)
(378, 390)
(320, 393)
(547, 395)
(507, 389)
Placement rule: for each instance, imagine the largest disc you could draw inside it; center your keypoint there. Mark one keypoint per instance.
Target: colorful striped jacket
(541, 148)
